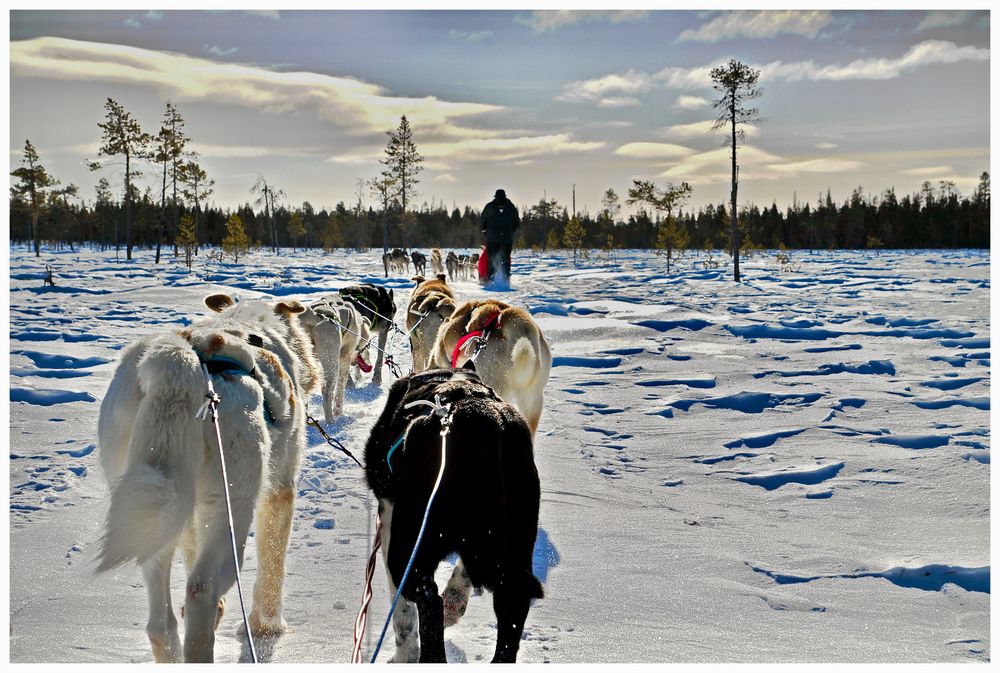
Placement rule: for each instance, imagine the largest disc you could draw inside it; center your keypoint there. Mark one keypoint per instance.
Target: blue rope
(445, 423)
(388, 456)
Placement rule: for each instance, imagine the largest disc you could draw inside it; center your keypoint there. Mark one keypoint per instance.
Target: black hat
(501, 194)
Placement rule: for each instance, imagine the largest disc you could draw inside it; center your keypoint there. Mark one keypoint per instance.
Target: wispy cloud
(759, 24)
(654, 151)
(702, 129)
(216, 50)
(247, 151)
(440, 155)
(609, 87)
(821, 165)
(928, 171)
(466, 36)
(445, 177)
(827, 146)
(713, 166)
(266, 13)
(137, 21)
(943, 19)
(354, 105)
(691, 102)
(545, 20)
(632, 82)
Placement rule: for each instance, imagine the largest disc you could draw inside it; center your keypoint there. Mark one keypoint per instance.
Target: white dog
(163, 464)
(340, 337)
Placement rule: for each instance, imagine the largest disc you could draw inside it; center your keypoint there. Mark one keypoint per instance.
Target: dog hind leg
(162, 625)
(404, 619)
(274, 517)
(456, 595)
(431, 612)
(511, 611)
(382, 335)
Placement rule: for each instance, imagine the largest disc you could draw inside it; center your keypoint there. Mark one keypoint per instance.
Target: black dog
(419, 262)
(486, 508)
(378, 306)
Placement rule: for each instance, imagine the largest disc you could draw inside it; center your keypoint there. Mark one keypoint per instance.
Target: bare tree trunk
(735, 227)
(163, 209)
(34, 232)
(128, 208)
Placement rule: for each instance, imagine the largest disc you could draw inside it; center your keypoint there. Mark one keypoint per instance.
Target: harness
(220, 364)
(482, 336)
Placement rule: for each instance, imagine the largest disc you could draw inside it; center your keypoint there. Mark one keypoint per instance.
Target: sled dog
(486, 508)
(437, 266)
(377, 306)
(340, 338)
(430, 304)
(454, 266)
(515, 360)
(419, 262)
(162, 464)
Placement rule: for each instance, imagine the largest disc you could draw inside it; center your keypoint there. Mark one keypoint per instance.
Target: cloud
(216, 50)
(609, 87)
(246, 151)
(928, 171)
(440, 155)
(943, 19)
(542, 20)
(466, 36)
(135, 21)
(816, 166)
(632, 82)
(354, 105)
(654, 151)
(266, 13)
(617, 102)
(759, 24)
(445, 177)
(691, 102)
(702, 129)
(827, 146)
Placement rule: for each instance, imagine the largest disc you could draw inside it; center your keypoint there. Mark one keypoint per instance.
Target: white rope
(212, 405)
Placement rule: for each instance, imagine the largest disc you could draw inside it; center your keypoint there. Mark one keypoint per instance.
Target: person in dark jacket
(499, 222)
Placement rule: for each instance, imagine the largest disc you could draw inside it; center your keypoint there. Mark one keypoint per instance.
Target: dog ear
(469, 364)
(289, 307)
(219, 302)
(391, 295)
(418, 279)
(442, 277)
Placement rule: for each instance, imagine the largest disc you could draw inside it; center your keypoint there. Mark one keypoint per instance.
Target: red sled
(483, 265)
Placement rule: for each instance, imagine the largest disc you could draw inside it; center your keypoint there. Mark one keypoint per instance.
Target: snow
(785, 469)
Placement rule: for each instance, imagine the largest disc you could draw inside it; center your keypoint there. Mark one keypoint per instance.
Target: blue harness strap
(220, 364)
(388, 456)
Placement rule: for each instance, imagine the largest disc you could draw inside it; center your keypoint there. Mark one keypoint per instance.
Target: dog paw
(409, 655)
(266, 629)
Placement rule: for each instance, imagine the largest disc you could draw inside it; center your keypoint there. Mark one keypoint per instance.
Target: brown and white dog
(162, 463)
(515, 360)
(430, 304)
(340, 337)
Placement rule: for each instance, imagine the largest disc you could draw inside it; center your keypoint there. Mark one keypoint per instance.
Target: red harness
(492, 323)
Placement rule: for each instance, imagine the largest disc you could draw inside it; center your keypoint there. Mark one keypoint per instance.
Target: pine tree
(552, 240)
(187, 239)
(573, 236)
(34, 180)
(332, 236)
(402, 165)
(738, 84)
(236, 242)
(196, 185)
(296, 227)
(663, 200)
(123, 136)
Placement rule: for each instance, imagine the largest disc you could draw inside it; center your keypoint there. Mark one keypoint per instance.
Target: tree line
(173, 212)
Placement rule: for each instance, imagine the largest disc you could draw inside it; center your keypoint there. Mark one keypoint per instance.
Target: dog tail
(529, 585)
(155, 497)
(523, 356)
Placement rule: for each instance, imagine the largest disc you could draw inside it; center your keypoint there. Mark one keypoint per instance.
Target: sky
(534, 102)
